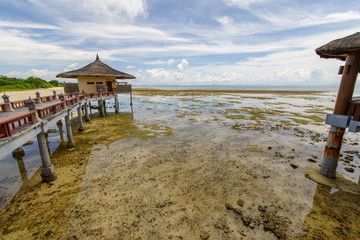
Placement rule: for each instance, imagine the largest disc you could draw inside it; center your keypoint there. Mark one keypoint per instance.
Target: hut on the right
(346, 112)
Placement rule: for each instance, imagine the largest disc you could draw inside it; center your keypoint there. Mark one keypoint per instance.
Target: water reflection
(333, 215)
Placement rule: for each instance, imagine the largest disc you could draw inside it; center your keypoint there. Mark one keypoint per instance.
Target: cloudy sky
(227, 42)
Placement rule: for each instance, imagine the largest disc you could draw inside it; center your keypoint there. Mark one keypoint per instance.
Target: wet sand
(189, 165)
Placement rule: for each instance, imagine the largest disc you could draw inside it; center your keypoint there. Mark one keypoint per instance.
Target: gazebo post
(345, 93)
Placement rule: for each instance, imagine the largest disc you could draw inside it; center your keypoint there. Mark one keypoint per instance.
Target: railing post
(47, 170)
(8, 106)
(87, 118)
(71, 143)
(54, 93)
(81, 127)
(38, 98)
(31, 106)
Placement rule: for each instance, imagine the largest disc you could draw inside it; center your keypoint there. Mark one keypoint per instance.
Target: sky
(168, 42)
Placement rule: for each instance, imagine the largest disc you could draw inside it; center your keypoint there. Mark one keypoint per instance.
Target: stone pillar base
(48, 174)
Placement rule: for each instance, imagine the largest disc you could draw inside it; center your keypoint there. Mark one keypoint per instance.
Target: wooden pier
(22, 121)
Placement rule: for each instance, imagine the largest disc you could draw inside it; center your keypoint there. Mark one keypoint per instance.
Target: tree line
(12, 83)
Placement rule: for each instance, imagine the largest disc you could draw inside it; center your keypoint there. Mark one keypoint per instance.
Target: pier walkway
(22, 121)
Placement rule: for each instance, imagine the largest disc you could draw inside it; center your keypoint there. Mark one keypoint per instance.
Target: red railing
(50, 109)
(15, 122)
(3, 107)
(17, 104)
(19, 120)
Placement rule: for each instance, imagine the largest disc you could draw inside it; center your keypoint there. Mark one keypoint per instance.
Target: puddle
(180, 168)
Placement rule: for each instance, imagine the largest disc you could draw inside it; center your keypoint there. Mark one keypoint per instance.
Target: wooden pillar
(87, 118)
(346, 90)
(71, 143)
(47, 170)
(81, 127)
(116, 103)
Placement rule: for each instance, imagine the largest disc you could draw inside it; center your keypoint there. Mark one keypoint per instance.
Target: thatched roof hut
(340, 48)
(96, 69)
(94, 77)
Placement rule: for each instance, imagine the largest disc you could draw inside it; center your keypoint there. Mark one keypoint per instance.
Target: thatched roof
(340, 48)
(96, 69)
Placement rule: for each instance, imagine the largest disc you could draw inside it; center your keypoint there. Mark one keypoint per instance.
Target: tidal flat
(191, 164)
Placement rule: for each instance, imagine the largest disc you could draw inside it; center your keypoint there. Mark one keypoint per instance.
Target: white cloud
(242, 3)
(183, 65)
(120, 9)
(171, 61)
(41, 73)
(72, 66)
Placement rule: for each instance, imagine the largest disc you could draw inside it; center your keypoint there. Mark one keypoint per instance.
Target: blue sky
(202, 42)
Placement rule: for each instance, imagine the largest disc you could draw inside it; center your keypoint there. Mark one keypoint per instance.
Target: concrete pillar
(81, 127)
(131, 102)
(47, 170)
(18, 154)
(346, 90)
(104, 107)
(101, 108)
(71, 143)
(87, 118)
(90, 107)
(116, 103)
(60, 127)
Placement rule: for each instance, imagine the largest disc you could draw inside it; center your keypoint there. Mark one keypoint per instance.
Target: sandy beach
(21, 95)
(190, 165)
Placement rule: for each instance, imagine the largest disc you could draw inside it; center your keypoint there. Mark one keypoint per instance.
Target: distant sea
(228, 87)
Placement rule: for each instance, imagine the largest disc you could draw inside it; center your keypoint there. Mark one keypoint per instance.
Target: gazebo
(347, 108)
(98, 76)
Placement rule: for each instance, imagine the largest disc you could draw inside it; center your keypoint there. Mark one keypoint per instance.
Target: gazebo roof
(340, 48)
(96, 69)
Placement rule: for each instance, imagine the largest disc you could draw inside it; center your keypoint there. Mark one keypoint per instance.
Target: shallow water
(228, 166)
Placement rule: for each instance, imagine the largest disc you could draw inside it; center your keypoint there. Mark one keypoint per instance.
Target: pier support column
(81, 127)
(101, 107)
(116, 103)
(346, 90)
(131, 102)
(60, 127)
(104, 107)
(18, 154)
(87, 118)
(47, 170)
(71, 143)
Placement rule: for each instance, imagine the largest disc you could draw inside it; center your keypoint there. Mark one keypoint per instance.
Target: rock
(204, 235)
(294, 166)
(269, 226)
(28, 143)
(352, 152)
(237, 211)
(163, 204)
(246, 221)
(222, 226)
(51, 131)
(240, 202)
(349, 169)
(312, 160)
(229, 206)
(262, 208)
(18, 153)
